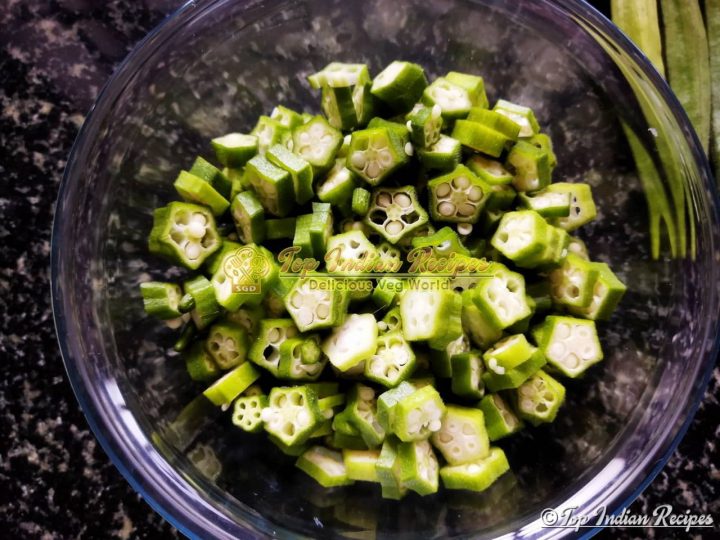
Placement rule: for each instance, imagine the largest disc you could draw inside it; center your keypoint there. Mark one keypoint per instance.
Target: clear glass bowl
(214, 67)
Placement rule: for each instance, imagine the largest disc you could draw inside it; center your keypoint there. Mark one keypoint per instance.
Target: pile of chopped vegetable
(465, 298)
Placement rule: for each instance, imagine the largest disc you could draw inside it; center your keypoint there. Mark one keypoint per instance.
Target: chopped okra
(467, 371)
(313, 303)
(424, 124)
(227, 343)
(503, 379)
(572, 283)
(352, 342)
(478, 475)
(500, 420)
(273, 186)
(582, 206)
(206, 308)
(395, 212)
(301, 359)
(457, 197)
(199, 364)
(272, 333)
(418, 467)
(300, 170)
(392, 362)
(539, 398)
(196, 190)
(219, 180)
(480, 138)
(443, 155)
(462, 437)
(247, 412)
(453, 100)
(387, 469)
(375, 153)
(325, 466)
(570, 345)
(360, 201)
(235, 149)
(531, 165)
(430, 315)
(292, 414)
(608, 290)
(161, 300)
(523, 116)
(399, 85)
(232, 384)
(249, 217)
(268, 132)
(317, 142)
(348, 253)
(418, 415)
(474, 85)
(360, 464)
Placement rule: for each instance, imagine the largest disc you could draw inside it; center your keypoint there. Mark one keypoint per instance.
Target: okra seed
(408, 149)
(460, 182)
(466, 209)
(323, 311)
(192, 251)
(373, 169)
(385, 158)
(443, 190)
(403, 200)
(394, 227)
(475, 194)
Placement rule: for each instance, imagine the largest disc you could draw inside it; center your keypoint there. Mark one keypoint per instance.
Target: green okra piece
(235, 149)
(248, 317)
(348, 254)
(312, 232)
(228, 344)
(500, 421)
(480, 138)
(293, 450)
(424, 125)
(196, 190)
(270, 132)
(287, 117)
(247, 412)
(292, 414)
(531, 166)
(206, 308)
(395, 212)
(573, 282)
(443, 243)
(570, 345)
(503, 379)
(338, 106)
(338, 75)
(462, 437)
(360, 464)
(387, 401)
(219, 180)
(325, 466)
(317, 142)
(443, 155)
(301, 359)
(265, 350)
(543, 142)
(467, 371)
(387, 293)
(458, 196)
(582, 206)
(501, 299)
(273, 186)
(399, 85)
(238, 181)
(454, 100)
(399, 131)
(387, 468)
(329, 403)
(496, 121)
(479, 327)
(441, 360)
(184, 233)
(315, 303)
(187, 335)
(523, 236)
(419, 415)
(324, 389)
(352, 342)
(473, 84)
(299, 169)
(249, 217)
(244, 277)
(199, 363)
(361, 411)
(161, 300)
(339, 185)
(213, 262)
(390, 257)
(547, 203)
(375, 153)
(392, 321)
(539, 398)
(418, 467)
(282, 228)
(232, 384)
(490, 170)
(343, 441)
(360, 201)
(578, 247)
(392, 362)
(608, 290)
(521, 115)
(508, 353)
(431, 315)
(478, 475)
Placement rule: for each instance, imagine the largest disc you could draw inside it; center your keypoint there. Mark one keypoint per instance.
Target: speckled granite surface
(55, 481)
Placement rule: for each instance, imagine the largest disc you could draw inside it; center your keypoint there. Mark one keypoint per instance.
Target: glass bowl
(214, 67)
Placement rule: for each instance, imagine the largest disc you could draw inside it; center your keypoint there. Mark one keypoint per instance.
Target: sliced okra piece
(424, 125)
(213, 262)
(352, 342)
(274, 298)
(546, 203)
(392, 362)
(312, 232)
(235, 149)
(392, 321)
(495, 121)
(573, 282)
(512, 378)
(582, 206)
(542, 141)
(508, 353)
(362, 413)
(387, 468)
(462, 437)
(387, 401)
(286, 116)
(375, 153)
(400, 85)
(443, 243)
(301, 359)
(199, 363)
(248, 317)
(360, 201)
(389, 257)
(265, 350)
(386, 294)
(281, 228)
(539, 398)
(531, 165)
(571, 345)
(522, 236)
(343, 441)
(419, 415)
(454, 100)
(457, 197)
(328, 404)
(232, 384)
(578, 247)
(324, 389)
(339, 74)
(608, 290)
(349, 253)
(339, 106)
(426, 313)
(479, 327)
(467, 371)
(478, 475)
(395, 212)
(206, 307)
(161, 300)
(339, 185)
(443, 155)
(441, 360)
(300, 171)
(502, 297)
(523, 325)
(317, 142)
(293, 450)
(228, 344)
(323, 430)
(249, 217)
(523, 116)
(540, 293)
(360, 464)
(473, 84)
(418, 467)
(187, 335)
(315, 303)
(480, 138)
(343, 423)
(399, 130)
(184, 233)
(244, 277)
(219, 180)
(452, 326)
(273, 186)
(292, 414)
(269, 132)
(238, 181)
(247, 412)
(500, 420)
(325, 466)
(490, 170)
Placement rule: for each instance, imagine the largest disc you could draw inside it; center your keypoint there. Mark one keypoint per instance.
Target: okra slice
(531, 165)
(317, 142)
(360, 201)
(343, 441)
(480, 138)
(418, 467)
(389, 257)
(362, 413)
(395, 212)
(270, 132)
(424, 125)
(213, 262)
(300, 171)
(282, 228)
(360, 464)
(578, 247)
(292, 414)
(200, 365)
(547, 203)
(478, 475)
(352, 342)
(405, 243)
(443, 243)
(254, 267)
(522, 237)
(294, 450)
(249, 217)
(607, 293)
(457, 197)
(232, 384)
(473, 84)
(392, 321)
(397, 129)
(228, 344)
(161, 300)
(426, 315)
(339, 74)
(495, 121)
(387, 468)
(539, 398)
(238, 181)
(375, 153)
(184, 233)
(386, 294)
(502, 298)
(349, 253)
(443, 155)
(265, 350)
(387, 401)
(508, 353)
(325, 466)
(500, 421)
(441, 360)
(339, 185)
(582, 206)
(542, 141)
(418, 415)
(273, 186)
(392, 362)
(571, 345)
(523, 116)
(206, 308)
(219, 180)
(345, 106)
(454, 100)
(573, 282)
(489, 170)
(235, 149)
(399, 85)
(301, 359)
(503, 379)
(247, 412)
(467, 371)
(315, 303)
(287, 117)
(312, 232)
(462, 437)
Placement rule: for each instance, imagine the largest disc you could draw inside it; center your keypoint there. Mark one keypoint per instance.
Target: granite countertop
(56, 482)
